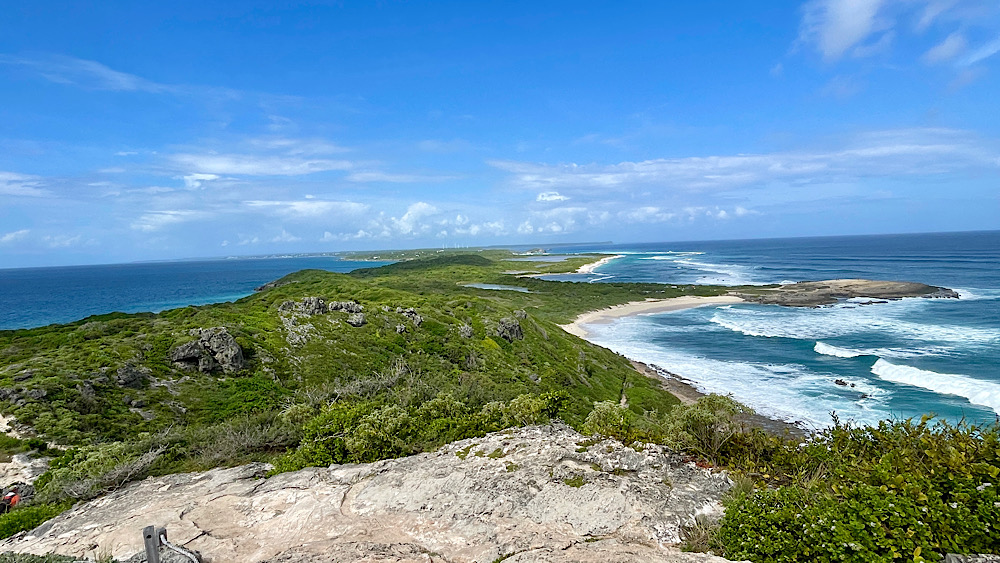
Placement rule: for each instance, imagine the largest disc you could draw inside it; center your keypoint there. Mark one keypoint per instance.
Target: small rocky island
(819, 293)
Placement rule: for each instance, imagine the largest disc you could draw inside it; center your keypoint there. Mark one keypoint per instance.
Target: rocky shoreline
(819, 293)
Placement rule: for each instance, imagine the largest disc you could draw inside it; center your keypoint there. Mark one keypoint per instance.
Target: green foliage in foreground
(28, 518)
(898, 491)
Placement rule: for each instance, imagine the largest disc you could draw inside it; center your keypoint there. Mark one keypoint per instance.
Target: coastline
(685, 390)
(647, 307)
(589, 268)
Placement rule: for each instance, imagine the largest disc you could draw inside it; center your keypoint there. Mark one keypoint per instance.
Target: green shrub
(705, 426)
(610, 419)
(896, 491)
(28, 518)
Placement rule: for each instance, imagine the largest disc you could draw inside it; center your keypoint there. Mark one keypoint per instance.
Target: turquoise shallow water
(900, 359)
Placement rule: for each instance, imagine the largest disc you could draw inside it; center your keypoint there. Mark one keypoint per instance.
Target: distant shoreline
(589, 268)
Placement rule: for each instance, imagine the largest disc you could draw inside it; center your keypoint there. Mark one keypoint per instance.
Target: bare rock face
(510, 329)
(539, 493)
(214, 348)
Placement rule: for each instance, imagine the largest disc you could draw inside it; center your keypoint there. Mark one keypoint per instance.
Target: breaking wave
(977, 391)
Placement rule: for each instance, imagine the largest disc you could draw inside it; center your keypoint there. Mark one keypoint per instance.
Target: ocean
(31, 297)
(899, 359)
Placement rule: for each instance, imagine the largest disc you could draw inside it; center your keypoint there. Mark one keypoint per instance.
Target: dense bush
(896, 491)
(611, 419)
(705, 426)
(365, 432)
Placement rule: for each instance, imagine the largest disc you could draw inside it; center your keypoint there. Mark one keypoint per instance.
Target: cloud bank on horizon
(249, 129)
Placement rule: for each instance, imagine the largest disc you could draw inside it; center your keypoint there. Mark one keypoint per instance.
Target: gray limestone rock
(356, 319)
(509, 329)
(529, 494)
(214, 348)
(465, 331)
(346, 306)
(132, 376)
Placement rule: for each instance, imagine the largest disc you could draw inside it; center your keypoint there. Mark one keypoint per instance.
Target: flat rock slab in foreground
(813, 294)
(540, 493)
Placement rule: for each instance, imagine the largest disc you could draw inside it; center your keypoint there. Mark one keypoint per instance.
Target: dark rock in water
(509, 329)
(840, 382)
(356, 319)
(215, 348)
(346, 306)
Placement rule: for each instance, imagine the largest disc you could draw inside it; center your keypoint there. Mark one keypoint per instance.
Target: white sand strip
(589, 268)
(646, 307)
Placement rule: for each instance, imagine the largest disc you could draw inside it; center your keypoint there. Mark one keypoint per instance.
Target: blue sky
(130, 131)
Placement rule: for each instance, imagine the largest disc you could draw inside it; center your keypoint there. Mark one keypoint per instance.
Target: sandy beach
(646, 307)
(589, 268)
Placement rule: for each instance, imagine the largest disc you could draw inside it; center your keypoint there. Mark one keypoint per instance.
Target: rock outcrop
(510, 329)
(215, 348)
(542, 493)
(814, 294)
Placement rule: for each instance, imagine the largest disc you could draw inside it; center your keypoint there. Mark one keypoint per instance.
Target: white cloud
(86, 74)
(982, 53)
(156, 220)
(946, 50)
(255, 165)
(409, 223)
(61, 241)
(14, 236)
(194, 181)
(21, 185)
(285, 236)
(310, 207)
(551, 196)
(838, 25)
(297, 147)
(376, 176)
(878, 154)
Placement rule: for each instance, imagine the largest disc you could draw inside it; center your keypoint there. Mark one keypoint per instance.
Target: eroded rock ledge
(541, 493)
(814, 294)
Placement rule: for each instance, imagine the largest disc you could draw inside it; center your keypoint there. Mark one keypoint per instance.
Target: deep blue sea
(903, 358)
(31, 297)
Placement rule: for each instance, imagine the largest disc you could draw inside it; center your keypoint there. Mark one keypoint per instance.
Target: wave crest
(975, 390)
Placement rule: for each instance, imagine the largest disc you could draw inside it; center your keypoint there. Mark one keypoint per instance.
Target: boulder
(215, 348)
(356, 319)
(465, 331)
(132, 376)
(509, 329)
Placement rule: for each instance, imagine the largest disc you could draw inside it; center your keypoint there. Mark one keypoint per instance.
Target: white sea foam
(977, 294)
(783, 390)
(824, 323)
(975, 390)
(829, 350)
